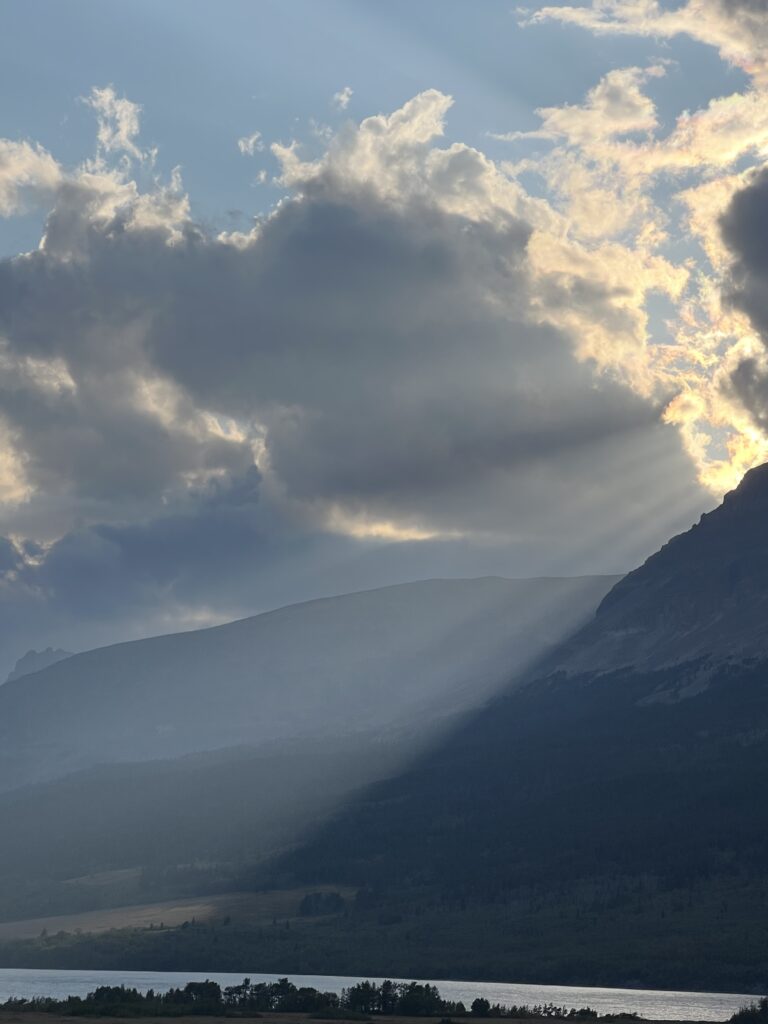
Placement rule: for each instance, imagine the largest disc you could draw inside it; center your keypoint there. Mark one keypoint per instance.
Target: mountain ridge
(328, 666)
(702, 595)
(35, 661)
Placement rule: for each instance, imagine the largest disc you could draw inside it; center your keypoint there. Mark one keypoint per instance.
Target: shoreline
(12, 1016)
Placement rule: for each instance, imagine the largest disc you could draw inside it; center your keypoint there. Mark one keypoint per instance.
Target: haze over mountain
(374, 660)
(248, 734)
(34, 661)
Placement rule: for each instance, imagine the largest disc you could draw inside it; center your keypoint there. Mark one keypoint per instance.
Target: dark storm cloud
(737, 8)
(745, 231)
(744, 227)
(88, 425)
(97, 444)
(9, 556)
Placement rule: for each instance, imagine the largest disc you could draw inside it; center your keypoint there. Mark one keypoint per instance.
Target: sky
(298, 298)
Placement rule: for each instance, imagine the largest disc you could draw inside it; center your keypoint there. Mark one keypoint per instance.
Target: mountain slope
(323, 668)
(34, 661)
(703, 595)
(623, 807)
(603, 823)
(126, 833)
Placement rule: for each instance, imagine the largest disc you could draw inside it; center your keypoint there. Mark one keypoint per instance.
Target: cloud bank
(412, 357)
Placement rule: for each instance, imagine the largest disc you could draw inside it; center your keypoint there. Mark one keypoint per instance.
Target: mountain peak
(35, 661)
(703, 594)
(753, 489)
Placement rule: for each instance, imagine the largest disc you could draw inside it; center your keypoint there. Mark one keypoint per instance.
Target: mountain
(604, 823)
(378, 659)
(704, 595)
(145, 832)
(34, 661)
(599, 820)
(177, 764)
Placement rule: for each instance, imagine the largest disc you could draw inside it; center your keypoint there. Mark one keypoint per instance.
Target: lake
(654, 1005)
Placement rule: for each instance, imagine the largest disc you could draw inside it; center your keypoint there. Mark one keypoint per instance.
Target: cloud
(620, 178)
(744, 229)
(342, 97)
(118, 122)
(615, 106)
(381, 334)
(744, 226)
(409, 348)
(250, 144)
(216, 553)
(738, 29)
(28, 176)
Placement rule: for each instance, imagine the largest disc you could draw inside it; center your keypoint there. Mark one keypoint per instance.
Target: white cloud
(342, 97)
(615, 106)
(118, 120)
(29, 176)
(250, 144)
(738, 29)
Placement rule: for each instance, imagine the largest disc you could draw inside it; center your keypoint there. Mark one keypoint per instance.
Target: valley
(597, 820)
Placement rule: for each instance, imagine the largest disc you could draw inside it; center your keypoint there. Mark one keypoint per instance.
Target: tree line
(358, 1002)
(754, 1013)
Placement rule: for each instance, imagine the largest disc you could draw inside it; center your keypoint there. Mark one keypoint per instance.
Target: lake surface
(709, 1006)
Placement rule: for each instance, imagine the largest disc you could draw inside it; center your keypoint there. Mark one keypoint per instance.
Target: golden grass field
(250, 907)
